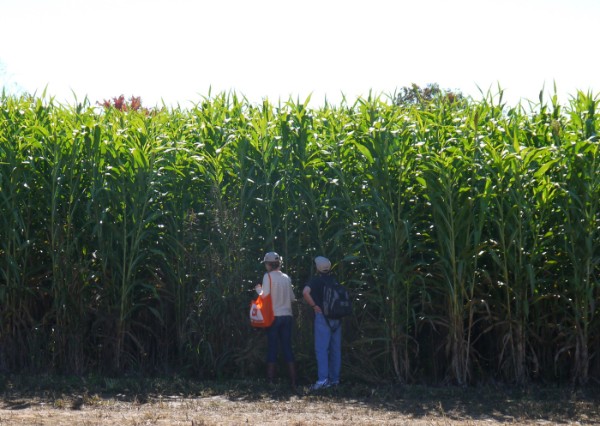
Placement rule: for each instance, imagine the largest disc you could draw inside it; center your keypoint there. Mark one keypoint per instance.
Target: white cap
(323, 264)
(271, 257)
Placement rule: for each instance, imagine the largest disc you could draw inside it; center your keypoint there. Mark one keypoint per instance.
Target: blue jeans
(280, 332)
(328, 348)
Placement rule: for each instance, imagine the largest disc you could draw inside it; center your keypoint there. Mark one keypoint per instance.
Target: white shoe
(322, 384)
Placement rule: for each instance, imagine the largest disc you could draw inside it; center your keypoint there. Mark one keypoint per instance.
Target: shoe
(323, 384)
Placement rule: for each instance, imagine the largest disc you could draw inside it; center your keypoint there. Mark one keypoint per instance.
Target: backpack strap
(270, 284)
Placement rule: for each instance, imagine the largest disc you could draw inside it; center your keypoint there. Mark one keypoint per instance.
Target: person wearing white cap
(328, 332)
(279, 285)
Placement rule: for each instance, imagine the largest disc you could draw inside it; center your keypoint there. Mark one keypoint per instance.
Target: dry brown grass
(249, 402)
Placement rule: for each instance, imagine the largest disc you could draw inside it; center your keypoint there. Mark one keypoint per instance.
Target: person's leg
(273, 340)
(335, 352)
(272, 348)
(285, 336)
(322, 334)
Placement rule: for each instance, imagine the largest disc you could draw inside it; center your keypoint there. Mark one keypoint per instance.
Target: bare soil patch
(189, 403)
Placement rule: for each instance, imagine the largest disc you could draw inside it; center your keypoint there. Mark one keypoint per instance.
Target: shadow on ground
(498, 403)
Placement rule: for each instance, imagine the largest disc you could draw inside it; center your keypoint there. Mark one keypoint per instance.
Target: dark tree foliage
(414, 94)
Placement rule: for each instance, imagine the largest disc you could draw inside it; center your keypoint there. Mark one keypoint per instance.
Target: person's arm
(310, 300)
(266, 285)
(265, 288)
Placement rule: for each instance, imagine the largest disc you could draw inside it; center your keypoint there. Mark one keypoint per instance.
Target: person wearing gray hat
(328, 331)
(279, 286)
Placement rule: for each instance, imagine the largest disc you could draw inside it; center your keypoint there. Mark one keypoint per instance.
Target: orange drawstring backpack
(261, 310)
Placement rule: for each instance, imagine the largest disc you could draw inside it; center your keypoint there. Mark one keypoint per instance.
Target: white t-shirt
(282, 293)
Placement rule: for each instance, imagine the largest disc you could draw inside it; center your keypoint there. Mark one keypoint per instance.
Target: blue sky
(177, 50)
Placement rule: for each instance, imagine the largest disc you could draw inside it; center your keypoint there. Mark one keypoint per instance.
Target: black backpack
(336, 299)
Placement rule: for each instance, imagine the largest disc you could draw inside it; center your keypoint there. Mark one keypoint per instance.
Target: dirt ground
(258, 405)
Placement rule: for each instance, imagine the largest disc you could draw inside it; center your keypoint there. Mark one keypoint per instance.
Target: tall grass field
(467, 232)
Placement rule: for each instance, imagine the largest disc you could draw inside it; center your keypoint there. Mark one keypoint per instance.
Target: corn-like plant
(381, 145)
(22, 252)
(466, 232)
(580, 205)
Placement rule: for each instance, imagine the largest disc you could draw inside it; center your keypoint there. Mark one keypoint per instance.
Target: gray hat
(323, 264)
(271, 257)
